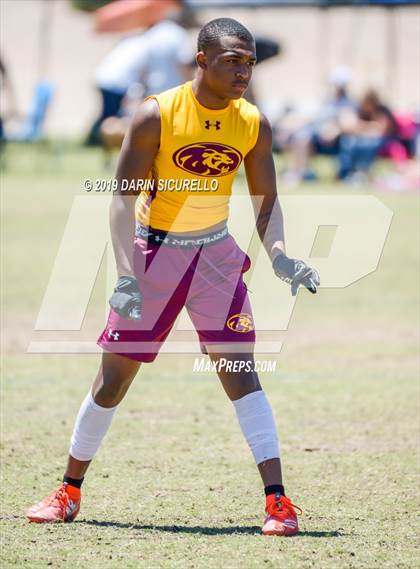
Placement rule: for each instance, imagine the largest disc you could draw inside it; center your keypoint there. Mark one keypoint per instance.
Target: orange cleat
(62, 505)
(281, 516)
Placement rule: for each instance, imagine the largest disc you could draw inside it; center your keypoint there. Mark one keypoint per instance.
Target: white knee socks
(92, 424)
(253, 411)
(257, 423)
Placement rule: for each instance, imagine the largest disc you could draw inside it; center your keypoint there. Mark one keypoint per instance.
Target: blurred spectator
(155, 59)
(321, 135)
(364, 136)
(404, 151)
(402, 147)
(6, 93)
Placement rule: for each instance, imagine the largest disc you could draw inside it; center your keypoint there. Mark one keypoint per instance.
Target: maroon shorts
(206, 279)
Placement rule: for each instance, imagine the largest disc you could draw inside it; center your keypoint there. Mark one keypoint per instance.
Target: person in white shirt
(155, 59)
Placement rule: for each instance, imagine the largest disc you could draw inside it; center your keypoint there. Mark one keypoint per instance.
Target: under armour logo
(216, 125)
(114, 335)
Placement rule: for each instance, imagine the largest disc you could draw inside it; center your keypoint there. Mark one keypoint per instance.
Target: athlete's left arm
(261, 176)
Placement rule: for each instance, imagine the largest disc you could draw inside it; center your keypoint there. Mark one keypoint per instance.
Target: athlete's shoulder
(147, 112)
(145, 124)
(250, 117)
(171, 94)
(247, 109)
(250, 120)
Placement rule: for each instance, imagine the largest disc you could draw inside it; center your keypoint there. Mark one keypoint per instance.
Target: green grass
(174, 485)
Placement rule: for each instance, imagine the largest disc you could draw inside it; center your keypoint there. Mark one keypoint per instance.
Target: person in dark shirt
(364, 136)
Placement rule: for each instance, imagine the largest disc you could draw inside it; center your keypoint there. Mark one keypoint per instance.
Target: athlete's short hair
(211, 32)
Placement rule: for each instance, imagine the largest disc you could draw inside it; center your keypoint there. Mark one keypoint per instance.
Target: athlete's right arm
(140, 146)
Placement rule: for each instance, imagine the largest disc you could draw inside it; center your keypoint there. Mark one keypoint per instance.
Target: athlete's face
(227, 66)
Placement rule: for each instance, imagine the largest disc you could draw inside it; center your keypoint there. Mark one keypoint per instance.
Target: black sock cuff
(76, 482)
(274, 489)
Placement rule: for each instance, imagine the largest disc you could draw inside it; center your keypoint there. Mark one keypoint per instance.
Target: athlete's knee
(109, 394)
(245, 383)
(238, 385)
(113, 380)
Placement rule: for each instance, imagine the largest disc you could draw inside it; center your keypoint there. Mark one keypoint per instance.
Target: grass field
(174, 485)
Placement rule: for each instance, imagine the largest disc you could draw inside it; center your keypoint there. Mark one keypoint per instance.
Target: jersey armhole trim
(258, 132)
(154, 97)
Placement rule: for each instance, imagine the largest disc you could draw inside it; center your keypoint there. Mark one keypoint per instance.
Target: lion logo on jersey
(207, 159)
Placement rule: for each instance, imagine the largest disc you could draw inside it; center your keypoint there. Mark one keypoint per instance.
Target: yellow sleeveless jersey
(200, 152)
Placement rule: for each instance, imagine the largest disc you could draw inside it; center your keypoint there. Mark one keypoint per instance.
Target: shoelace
(59, 498)
(286, 503)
